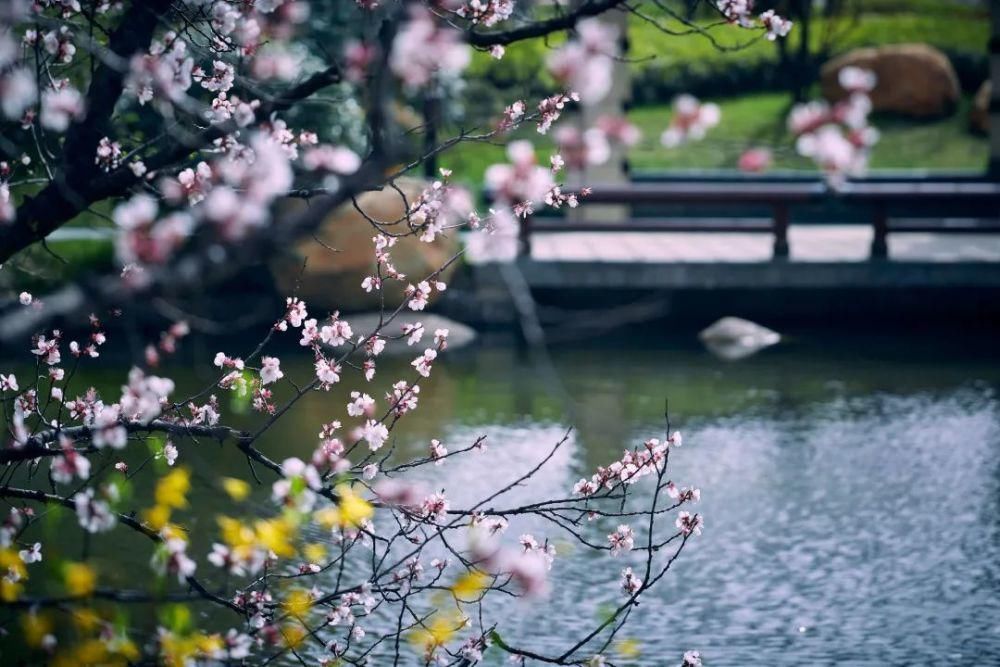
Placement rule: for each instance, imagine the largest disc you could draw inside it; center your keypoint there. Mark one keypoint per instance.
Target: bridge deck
(829, 256)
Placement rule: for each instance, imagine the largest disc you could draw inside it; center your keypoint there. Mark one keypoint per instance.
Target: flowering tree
(183, 115)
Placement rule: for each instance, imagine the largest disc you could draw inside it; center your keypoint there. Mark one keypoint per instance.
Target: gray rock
(733, 338)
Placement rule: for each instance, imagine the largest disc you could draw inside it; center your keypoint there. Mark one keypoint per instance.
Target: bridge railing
(880, 197)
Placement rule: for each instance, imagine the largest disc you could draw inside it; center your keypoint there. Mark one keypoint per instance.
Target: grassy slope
(758, 120)
(949, 27)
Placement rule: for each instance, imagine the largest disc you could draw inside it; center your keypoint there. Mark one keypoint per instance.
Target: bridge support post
(781, 218)
(880, 238)
(524, 237)
(994, 104)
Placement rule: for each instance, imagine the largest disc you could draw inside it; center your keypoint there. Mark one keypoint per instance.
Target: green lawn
(759, 120)
(950, 26)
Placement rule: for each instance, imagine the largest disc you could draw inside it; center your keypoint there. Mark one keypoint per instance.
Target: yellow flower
(208, 644)
(85, 619)
(80, 579)
(629, 648)
(172, 531)
(9, 590)
(11, 563)
(172, 488)
(298, 602)
(234, 532)
(470, 585)
(294, 634)
(157, 516)
(276, 535)
(351, 511)
(314, 553)
(92, 652)
(237, 489)
(35, 627)
(440, 630)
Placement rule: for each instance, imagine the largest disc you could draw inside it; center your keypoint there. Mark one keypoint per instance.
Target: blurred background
(828, 349)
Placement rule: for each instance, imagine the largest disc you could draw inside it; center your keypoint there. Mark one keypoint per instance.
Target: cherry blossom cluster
(585, 64)
(740, 12)
(440, 206)
(486, 12)
(838, 137)
(424, 48)
(631, 467)
(692, 119)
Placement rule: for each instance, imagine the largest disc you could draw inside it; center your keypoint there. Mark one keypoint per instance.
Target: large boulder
(913, 79)
(979, 115)
(341, 253)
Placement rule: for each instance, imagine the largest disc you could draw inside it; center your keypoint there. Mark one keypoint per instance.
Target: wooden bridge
(893, 234)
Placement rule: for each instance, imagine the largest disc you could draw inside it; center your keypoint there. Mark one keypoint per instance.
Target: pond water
(850, 489)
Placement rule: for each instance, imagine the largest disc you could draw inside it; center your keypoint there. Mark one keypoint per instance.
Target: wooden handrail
(780, 197)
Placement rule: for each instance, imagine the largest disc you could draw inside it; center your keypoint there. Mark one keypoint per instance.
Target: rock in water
(733, 338)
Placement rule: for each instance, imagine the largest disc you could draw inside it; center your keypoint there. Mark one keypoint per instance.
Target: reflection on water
(850, 490)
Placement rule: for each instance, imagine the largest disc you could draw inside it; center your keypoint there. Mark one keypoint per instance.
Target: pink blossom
(585, 64)
(105, 427)
(683, 495)
(8, 382)
(691, 121)
(521, 180)
(486, 12)
(48, 349)
(375, 434)
(18, 92)
(94, 515)
(296, 311)
(618, 128)
(70, 464)
(333, 159)
(403, 397)
(755, 160)
(144, 395)
(422, 48)
(623, 539)
(361, 404)
(60, 106)
(689, 523)
(358, 56)
(32, 554)
(691, 659)
(413, 331)
(631, 583)
(25, 298)
(270, 370)
(327, 372)
(737, 11)
(582, 149)
(424, 361)
(775, 25)
(856, 79)
(418, 295)
(438, 451)
(336, 333)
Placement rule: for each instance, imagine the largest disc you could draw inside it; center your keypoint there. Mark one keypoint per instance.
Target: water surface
(850, 488)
